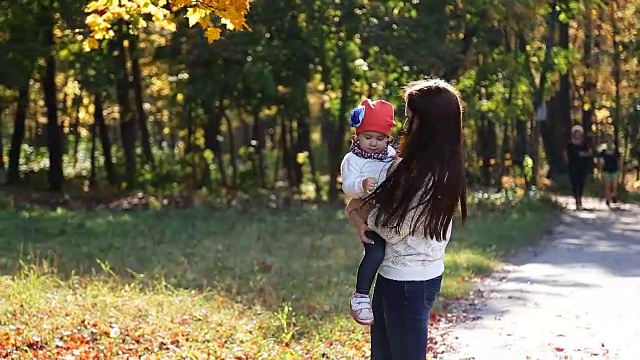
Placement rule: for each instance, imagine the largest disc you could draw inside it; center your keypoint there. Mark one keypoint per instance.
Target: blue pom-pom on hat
(357, 115)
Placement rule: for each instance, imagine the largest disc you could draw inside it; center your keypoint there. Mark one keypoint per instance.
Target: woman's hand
(362, 229)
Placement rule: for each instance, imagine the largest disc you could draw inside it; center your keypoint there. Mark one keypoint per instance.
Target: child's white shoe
(361, 309)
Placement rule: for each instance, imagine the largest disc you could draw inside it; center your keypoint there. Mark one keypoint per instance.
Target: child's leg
(360, 301)
(373, 256)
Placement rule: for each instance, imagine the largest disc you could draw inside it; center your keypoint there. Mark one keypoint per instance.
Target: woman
(578, 156)
(412, 209)
(610, 171)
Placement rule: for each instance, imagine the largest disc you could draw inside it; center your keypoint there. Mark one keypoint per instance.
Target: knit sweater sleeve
(352, 177)
(391, 235)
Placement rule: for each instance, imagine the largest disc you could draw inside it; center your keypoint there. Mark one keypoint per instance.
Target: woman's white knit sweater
(410, 257)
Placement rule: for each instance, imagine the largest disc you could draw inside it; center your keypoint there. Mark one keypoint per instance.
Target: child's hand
(369, 184)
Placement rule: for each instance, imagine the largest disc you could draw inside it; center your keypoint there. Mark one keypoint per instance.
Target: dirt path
(577, 296)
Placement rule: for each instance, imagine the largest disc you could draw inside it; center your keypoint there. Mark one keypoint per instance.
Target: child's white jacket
(354, 169)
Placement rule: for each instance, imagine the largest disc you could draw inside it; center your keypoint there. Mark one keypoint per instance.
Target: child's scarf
(356, 149)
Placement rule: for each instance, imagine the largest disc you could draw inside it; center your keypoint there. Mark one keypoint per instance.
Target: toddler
(362, 168)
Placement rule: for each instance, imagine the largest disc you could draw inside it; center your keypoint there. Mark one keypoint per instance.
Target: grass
(200, 284)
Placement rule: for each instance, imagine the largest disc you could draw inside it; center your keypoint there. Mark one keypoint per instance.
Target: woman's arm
(357, 215)
(358, 212)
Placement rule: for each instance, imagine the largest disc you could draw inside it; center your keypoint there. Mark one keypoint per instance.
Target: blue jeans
(401, 312)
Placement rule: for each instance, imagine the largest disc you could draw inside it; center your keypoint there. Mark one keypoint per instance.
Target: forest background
(157, 153)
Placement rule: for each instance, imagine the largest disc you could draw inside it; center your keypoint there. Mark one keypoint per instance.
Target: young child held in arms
(362, 168)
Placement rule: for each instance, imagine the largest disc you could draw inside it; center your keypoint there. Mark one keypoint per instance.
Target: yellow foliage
(212, 34)
(301, 157)
(102, 13)
(90, 44)
(508, 182)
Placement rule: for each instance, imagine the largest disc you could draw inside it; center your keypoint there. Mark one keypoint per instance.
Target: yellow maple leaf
(195, 15)
(181, 3)
(212, 34)
(107, 17)
(93, 21)
(226, 22)
(90, 44)
(168, 26)
(96, 6)
(100, 34)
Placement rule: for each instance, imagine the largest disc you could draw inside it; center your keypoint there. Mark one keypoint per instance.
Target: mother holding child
(405, 222)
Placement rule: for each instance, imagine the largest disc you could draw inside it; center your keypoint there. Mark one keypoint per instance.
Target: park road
(576, 296)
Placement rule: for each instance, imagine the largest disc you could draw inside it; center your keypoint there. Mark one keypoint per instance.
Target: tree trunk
(294, 168)
(75, 128)
(276, 165)
(17, 138)
(521, 145)
(304, 145)
(539, 93)
(54, 140)
(490, 149)
(232, 152)
(589, 80)
(187, 115)
(137, 90)
(2, 164)
(94, 135)
(54, 134)
(105, 141)
(616, 73)
(258, 136)
(211, 142)
(551, 137)
(286, 149)
(506, 153)
(127, 123)
(562, 128)
(337, 139)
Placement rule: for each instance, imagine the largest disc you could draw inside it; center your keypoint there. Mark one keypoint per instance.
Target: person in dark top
(579, 156)
(610, 171)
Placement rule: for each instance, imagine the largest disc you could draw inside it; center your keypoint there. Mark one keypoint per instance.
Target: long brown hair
(431, 177)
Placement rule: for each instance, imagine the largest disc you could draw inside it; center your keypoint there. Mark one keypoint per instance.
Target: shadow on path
(574, 295)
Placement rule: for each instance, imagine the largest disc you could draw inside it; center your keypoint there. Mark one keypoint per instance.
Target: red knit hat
(375, 116)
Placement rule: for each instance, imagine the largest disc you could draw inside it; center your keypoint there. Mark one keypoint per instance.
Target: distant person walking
(579, 159)
(610, 157)
(412, 210)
